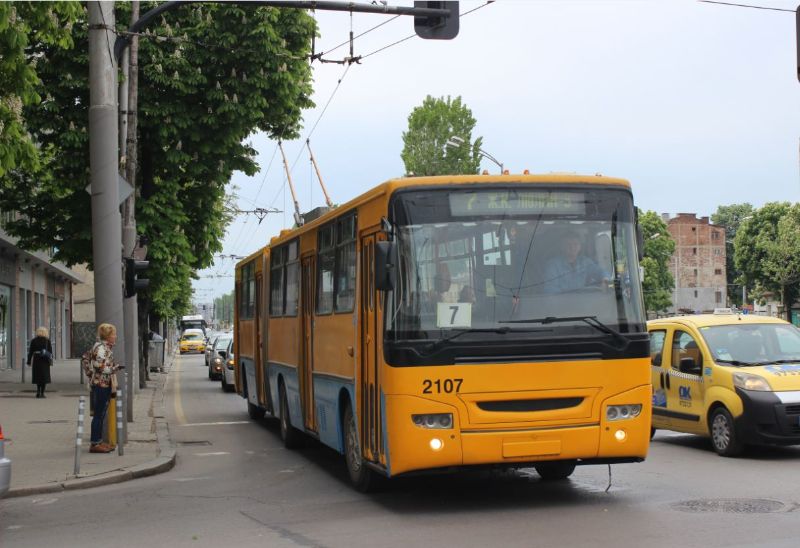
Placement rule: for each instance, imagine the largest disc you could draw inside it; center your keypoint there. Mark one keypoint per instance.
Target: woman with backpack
(40, 355)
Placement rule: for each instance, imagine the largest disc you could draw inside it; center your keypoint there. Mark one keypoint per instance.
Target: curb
(163, 462)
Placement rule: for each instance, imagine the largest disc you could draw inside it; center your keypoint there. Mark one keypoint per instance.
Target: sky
(695, 103)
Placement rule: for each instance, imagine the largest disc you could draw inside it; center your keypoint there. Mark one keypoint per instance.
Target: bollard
(120, 439)
(79, 437)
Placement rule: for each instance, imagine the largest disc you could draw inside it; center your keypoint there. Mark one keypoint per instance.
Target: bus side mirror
(640, 241)
(385, 266)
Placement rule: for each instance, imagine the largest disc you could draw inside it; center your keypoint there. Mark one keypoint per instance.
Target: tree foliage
(731, 217)
(23, 24)
(216, 74)
(659, 246)
(430, 126)
(768, 251)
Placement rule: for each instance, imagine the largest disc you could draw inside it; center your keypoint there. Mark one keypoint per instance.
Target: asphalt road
(235, 485)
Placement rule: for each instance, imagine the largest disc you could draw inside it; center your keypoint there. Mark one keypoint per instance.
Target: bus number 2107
(439, 386)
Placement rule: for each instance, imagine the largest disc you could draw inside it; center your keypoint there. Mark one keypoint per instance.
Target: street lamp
(455, 141)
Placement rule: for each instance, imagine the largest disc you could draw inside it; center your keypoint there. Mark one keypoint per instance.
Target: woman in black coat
(40, 351)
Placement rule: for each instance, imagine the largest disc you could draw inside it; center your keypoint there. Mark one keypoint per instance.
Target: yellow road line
(177, 398)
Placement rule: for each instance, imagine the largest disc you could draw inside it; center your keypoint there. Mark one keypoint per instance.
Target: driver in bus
(571, 270)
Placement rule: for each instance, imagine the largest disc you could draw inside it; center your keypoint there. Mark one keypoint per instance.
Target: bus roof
(388, 187)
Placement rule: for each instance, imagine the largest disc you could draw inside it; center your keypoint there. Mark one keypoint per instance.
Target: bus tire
(362, 478)
(289, 435)
(554, 471)
(723, 434)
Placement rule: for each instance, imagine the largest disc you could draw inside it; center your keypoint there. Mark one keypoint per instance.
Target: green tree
(767, 251)
(659, 246)
(218, 73)
(21, 24)
(430, 126)
(730, 217)
(223, 310)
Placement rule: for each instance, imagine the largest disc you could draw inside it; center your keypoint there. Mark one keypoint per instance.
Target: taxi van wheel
(289, 435)
(723, 434)
(554, 471)
(362, 478)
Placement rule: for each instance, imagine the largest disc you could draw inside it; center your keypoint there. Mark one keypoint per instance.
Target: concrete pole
(104, 167)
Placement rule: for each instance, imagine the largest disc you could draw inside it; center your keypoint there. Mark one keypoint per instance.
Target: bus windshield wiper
(588, 320)
(441, 342)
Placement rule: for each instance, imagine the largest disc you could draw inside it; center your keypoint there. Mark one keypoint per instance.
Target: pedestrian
(40, 355)
(103, 370)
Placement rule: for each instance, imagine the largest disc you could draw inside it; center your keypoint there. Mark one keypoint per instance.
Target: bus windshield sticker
(453, 315)
(517, 202)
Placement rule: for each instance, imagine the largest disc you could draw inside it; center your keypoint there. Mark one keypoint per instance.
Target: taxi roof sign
(724, 311)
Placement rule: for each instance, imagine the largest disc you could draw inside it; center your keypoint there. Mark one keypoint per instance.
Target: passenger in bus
(572, 270)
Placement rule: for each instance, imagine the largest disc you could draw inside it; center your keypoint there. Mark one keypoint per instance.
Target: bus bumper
(415, 448)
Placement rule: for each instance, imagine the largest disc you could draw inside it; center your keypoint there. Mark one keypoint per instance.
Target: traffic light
(132, 282)
(437, 27)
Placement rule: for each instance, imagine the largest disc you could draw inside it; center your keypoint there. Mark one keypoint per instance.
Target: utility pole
(128, 106)
(104, 166)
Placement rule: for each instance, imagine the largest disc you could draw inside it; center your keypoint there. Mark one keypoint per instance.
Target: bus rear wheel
(362, 478)
(554, 471)
(289, 435)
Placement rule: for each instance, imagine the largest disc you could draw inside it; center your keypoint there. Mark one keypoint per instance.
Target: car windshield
(222, 343)
(485, 261)
(192, 337)
(753, 343)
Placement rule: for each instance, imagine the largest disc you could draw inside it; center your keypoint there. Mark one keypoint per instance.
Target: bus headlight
(437, 421)
(623, 412)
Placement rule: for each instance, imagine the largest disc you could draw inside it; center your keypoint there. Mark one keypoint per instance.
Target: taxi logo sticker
(685, 395)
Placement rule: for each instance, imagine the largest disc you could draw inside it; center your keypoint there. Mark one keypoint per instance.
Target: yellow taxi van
(731, 377)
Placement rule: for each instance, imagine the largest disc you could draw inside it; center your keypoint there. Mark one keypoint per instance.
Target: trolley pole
(79, 436)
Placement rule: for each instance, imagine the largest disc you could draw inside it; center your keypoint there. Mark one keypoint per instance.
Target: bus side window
(657, 346)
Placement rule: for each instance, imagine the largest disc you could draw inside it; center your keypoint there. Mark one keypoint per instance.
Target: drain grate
(59, 421)
(730, 506)
(194, 442)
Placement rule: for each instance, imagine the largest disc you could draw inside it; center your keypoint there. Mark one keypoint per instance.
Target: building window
(695, 273)
(715, 235)
(718, 296)
(718, 252)
(694, 251)
(717, 271)
(694, 228)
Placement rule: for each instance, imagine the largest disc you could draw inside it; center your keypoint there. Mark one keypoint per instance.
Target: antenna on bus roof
(316, 168)
(297, 217)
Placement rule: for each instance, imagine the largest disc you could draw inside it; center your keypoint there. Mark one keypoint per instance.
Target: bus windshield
(496, 267)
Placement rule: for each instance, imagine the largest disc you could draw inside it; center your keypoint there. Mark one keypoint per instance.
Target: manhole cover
(730, 506)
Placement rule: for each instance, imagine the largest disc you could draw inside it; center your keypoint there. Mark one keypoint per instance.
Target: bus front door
(307, 373)
(370, 415)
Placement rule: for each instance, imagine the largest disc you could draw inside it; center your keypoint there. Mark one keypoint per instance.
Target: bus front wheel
(553, 471)
(362, 478)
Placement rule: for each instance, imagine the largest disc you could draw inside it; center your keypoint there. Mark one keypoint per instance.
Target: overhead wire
(745, 6)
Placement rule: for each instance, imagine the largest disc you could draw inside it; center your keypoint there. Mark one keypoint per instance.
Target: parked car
(5, 467)
(192, 342)
(217, 361)
(228, 379)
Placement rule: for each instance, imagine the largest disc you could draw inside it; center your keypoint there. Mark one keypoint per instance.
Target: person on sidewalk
(103, 370)
(40, 355)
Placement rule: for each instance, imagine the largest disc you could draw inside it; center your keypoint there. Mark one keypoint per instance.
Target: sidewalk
(40, 433)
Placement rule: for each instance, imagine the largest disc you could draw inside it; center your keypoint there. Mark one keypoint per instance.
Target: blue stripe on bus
(328, 411)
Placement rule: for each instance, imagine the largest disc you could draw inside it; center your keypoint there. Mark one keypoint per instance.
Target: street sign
(125, 189)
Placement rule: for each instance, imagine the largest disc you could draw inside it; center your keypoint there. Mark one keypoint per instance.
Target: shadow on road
(753, 452)
(467, 490)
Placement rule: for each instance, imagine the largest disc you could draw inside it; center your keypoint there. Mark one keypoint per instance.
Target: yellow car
(192, 342)
(733, 378)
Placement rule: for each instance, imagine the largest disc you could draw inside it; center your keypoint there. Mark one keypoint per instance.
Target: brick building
(698, 264)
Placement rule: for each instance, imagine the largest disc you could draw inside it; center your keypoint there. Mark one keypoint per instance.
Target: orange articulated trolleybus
(442, 322)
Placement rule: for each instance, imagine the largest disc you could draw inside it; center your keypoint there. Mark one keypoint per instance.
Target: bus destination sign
(517, 202)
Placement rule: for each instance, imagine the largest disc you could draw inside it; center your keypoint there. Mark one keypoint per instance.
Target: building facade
(34, 291)
(698, 264)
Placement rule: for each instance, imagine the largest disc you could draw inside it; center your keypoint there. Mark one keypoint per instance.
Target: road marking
(192, 479)
(214, 454)
(220, 423)
(178, 407)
